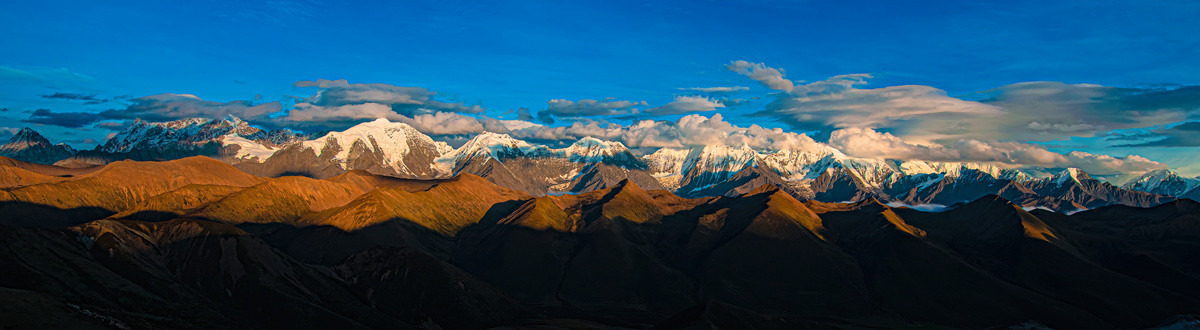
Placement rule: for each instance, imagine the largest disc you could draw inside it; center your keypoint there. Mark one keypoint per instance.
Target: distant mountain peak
(30, 146)
(1071, 175)
(488, 144)
(593, 150)
(1163, 182)
(28, 136)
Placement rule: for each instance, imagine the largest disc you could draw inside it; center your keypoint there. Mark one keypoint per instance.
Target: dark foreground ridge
(196, 243)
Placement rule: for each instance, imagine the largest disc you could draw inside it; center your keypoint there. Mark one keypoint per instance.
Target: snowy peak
(666, 161)
(490, 145)
(950, 169)
(25, 138)
(183, 134)
(717, 158)
(593, 150)
(590, 149)
(1071, 176)
(394, 143)
(1163, 182)
(28, 145)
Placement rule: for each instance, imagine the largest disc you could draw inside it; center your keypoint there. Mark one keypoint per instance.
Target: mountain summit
(27, 145)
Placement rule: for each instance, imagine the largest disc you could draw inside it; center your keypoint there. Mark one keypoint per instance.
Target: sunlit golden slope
(15, 173)
(446, 207)
(122, 185)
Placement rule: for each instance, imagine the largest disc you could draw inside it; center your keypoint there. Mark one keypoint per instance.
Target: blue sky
(507, 55)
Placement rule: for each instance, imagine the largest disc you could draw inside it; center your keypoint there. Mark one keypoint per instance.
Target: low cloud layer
(865, 142)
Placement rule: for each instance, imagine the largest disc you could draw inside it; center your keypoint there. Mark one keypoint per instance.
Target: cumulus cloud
(523, 114)
(768, 76)
(688, 131)
(1105, 165)
(685, 104)
(446, 123)
(866, 142)
(309, 113)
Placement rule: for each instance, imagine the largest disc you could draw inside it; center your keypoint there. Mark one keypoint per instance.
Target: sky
(1108, 86)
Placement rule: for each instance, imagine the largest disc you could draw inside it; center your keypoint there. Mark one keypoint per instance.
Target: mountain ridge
(822, 173)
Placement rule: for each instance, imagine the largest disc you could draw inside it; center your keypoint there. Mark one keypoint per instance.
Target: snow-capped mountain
(29, 146)
(1165, 182)
(587, 164)
(229, 138)
(707, 166)
(593, 150)
(189, 134)
(397, 147)
(818, 172)
(666, 165)
(494, 146)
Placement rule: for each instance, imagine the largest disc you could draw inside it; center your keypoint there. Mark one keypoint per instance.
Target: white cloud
(690, 130)
(685, 104)
(865, 142)
(768, 76)
(306, 112)
(719, 89)
(1029, 111)
(1048, 111)
(444, 123)
(921, 112)
(166, 107)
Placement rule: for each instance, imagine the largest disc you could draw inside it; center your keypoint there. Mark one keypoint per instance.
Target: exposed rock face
(1078, 187)
(29, 146)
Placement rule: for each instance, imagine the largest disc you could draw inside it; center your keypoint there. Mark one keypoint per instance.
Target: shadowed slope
(921, 281)
(764, 251)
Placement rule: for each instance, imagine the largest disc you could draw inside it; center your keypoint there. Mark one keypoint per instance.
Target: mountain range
(199, 243)
(396, 149)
